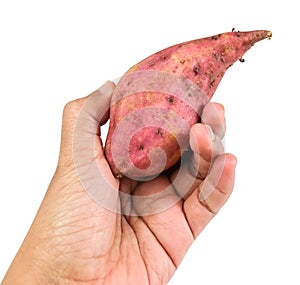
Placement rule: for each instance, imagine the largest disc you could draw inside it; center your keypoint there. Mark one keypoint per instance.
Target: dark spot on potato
(159, 132)
(170, 99)
(163, 56)
(214, 38)
(141, 147)
(199, 83)
(196, 69)
(182, 61)
(216, 55)
(220, 75)
(119, 175)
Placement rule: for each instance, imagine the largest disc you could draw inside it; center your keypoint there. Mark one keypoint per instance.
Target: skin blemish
(214, 38)
(216, 56)
(163, 56)
(159, 132)
(119, 175)
(211, 84)
(182, 61)
(237, 32)
(199, 83)
(141, 147)
(170, 99)
(196, 69)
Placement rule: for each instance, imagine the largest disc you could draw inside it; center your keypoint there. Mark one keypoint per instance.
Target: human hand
(83, 234)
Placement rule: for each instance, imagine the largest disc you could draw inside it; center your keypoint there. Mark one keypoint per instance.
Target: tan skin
(73, 240)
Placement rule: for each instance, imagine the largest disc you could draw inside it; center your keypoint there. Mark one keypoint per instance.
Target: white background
(52, 52)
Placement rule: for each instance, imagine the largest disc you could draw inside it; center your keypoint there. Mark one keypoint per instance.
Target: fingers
(205, 139)
(86, 113)
(88, 158)
(203, 204)
(95, 109)
(81, 142)
(206, 145)
(213, 115)
(86, 141)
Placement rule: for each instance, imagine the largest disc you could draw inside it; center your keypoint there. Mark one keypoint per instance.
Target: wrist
(25, 270)
(30, 265)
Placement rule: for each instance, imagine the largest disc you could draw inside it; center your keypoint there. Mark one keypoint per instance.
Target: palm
(151, 246)
(122, 249)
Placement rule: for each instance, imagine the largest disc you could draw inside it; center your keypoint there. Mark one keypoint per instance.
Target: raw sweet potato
(157, 101)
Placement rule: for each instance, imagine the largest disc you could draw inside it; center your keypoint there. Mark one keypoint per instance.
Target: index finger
(213, 114)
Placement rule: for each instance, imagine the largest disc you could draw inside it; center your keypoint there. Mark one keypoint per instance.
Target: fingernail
(107, 88)
(210, 133)
(222, 110)
(233, 160)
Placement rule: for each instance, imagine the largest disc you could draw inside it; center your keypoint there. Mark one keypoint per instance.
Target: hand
(74, 239)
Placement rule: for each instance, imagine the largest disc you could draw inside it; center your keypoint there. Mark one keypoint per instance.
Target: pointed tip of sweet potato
(231, 46)
(253, 36)
(268, 35)
(246, 39)
(257, 34)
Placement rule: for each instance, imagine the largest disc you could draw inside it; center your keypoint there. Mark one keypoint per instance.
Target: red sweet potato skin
(151, 110)
(160, 98)
(204, 61)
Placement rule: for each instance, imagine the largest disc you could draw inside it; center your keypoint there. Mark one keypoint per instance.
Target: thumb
(84, 115)
(87, 155)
